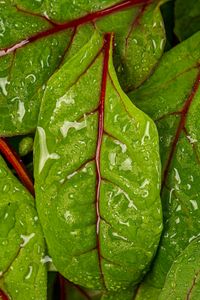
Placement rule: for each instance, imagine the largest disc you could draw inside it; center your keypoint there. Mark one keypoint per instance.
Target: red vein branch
(73, 23)
(188, 297)
(135, 23)
(181, 126)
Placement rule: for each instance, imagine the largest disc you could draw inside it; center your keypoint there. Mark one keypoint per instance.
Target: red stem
(12, 157)
(3, 296)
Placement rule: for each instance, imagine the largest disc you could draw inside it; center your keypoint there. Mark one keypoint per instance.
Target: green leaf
(36, 37)
(97, 174)
(139, 42)
(172, 98)
(23, 275)
(187, 18)
(120, 295)
(183, 279)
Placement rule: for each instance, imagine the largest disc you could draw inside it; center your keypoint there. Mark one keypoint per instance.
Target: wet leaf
(120, 295)
(182, 281)
(22, 273)
(97, 174)
(37, 36)
(187, 18)
(172, 98)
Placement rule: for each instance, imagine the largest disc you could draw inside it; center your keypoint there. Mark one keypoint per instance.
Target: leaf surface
(187, 18)
(22, 248)
(183, 279)
(37, 36)
(172, 98)
(97, 174)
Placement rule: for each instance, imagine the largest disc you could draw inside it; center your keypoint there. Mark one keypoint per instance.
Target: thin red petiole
(11, 156)
(3, 296)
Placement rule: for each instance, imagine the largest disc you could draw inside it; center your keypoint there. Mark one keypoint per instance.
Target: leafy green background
(160, 85)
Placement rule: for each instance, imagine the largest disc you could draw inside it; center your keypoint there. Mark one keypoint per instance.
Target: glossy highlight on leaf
(35, 40)
(97, 174)
(172, 98)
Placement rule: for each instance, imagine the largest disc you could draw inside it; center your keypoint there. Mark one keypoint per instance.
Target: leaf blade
(22, 247)
(86, 139)
(171, 96)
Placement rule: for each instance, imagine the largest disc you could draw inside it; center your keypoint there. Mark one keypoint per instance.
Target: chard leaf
(22, 274)
(37, 36)
(172, 98)
(183, 279)
(120, 295)
(187, 18)
(97, 174)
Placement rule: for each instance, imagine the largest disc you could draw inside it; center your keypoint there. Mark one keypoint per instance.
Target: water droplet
(194, 204)
(126, 165)
(146, 133)
(154, 24)
(29, 272)
(123, 146)
(178, 208)
(3, 83)
(71, 175)
(44, 153)
(6, 188)
(115, 234)
(26, 239)
(177, 178)
(21, 111)
(154, 44)
(46, 259)
(76, 125)
(32, 78)
(2, 27)
(112, 159)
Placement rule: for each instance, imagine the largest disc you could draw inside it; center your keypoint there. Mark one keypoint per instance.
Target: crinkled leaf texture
(187, 18)
(37, 36)
(172, 98)
(23, 275)
(97, 174)
(183, 279)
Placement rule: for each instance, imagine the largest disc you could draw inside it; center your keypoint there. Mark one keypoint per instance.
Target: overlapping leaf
(172, 98)
(36, 36)
(182, 281)
(187, 18)
(22, 249)
(97, 174)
